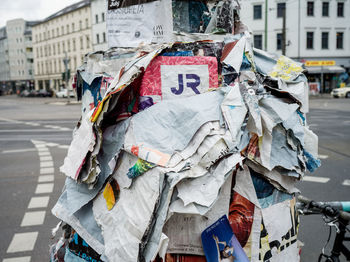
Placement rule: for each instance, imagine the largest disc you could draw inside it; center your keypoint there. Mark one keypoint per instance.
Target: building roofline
(65, 10)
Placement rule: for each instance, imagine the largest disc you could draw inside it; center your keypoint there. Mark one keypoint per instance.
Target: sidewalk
(42, 100)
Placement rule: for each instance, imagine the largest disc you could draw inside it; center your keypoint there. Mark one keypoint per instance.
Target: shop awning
(325, 69)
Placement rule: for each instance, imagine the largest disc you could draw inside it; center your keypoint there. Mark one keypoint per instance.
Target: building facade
(98, 17)
(16, 56)
(315, 31)
(63, 35)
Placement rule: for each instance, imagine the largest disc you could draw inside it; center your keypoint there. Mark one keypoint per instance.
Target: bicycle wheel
(325, 258)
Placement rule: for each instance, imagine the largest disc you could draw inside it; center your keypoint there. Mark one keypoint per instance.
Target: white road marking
(39, 202)
(63, 147)
(23, 150)
(316, 179)
(313, 125)
(23, 242)
(42, 149)
(52, 144)
(34, 218)
(46, 164)
(49, 126)
(44, 153)
(39, 146)
(44, 188)
(17, 259)
(47, 178)
(45, 158)
(322, 156)
(65, 129)
(37, 142)
(346, 182)
(47, 170)
(32, 124)
(33, 130)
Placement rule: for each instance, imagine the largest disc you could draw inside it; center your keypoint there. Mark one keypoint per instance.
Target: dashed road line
(53, 127)
(17, 259)
(39, 202)
(44, 188)
(346, 182)
(46, 178)
(316, 179)
(322, 156)
(46, 164)
(23, 242)
(45, 158)
(47, 170)
(33, 218)
(23, 150)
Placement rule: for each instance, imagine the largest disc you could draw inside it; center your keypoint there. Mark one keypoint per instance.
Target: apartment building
(63, 35)
(317, 30)
(16, 55)
(98, 16)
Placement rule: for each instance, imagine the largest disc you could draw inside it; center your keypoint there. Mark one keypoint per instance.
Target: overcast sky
(30, 9)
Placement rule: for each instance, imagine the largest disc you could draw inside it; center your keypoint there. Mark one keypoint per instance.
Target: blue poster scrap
(220, 244)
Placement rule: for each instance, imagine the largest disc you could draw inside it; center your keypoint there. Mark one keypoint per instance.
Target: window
(58, 48)
(68, 45)
(340, 9)
(257, 12)
(57, 31)
(258, 41)
(325, 9)
(96, 16)
(81, 43)
(103, 17)
(86, 23)
(53, 49)
(74, 47)
(97, 38)
(279, 41)
(310, 8)
(48, 35)
(73, 27)
(309, 40)
(53, 33)
(280, 9)
(87, 42)
(340, 40)
(67, 29)
(324, 40)
(104, 37)
(80, 25)
(63, 47)
(62, 30)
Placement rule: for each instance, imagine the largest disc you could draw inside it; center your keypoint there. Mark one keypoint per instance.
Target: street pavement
(34, 137)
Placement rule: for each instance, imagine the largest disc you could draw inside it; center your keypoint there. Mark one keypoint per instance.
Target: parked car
(33, 93)
(24, 93)
(44, 93)
(341, 92)
(63, 93)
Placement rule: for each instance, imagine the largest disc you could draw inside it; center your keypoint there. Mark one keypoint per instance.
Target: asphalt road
(34, 138)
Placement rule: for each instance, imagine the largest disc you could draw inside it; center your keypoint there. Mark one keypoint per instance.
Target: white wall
(298, 23)
(99, 9)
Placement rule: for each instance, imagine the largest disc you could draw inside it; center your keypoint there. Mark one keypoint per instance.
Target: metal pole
(284, 41)
(266, 12)
(322, 87)
(66, 61)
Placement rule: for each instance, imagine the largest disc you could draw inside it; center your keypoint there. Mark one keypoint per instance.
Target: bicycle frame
(338, 246)
(340, 221)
